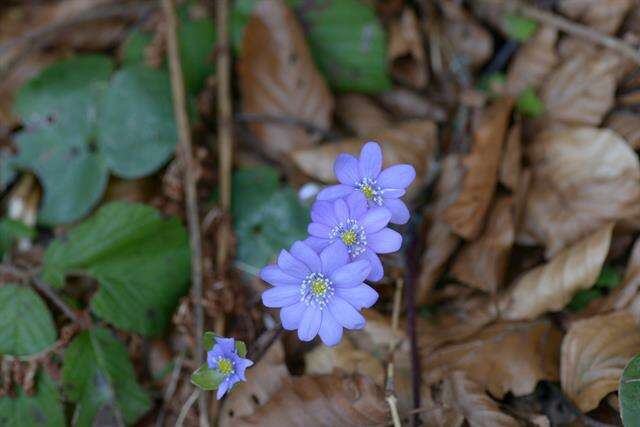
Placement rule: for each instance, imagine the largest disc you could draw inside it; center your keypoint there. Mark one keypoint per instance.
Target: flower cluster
(319, 283)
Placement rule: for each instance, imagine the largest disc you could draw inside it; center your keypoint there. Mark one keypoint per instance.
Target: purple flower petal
(399, 212)
(241, 366)
(212, 356)
(281, 296)
(376, 265)
(273, 275)
(345, 314)
(291, 315)
(351, 274)
(333, 257)
(310, 323)
(375, 220)
(361, 296)
(341, 209)
(370, 161)
(330, 330)
(397, 176)
(393, 193)
(346, 169)
(357, 204)
(226, 344)
(319, 230)
(317, 243)
(322, 212)
(384, 241)
(222, 388)
(333, 192)
(292, 266)
(307, 255)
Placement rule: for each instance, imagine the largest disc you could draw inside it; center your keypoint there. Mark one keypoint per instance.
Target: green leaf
(137, 132)
(520, 28)
(609, 278)
(98, 376)
(582, 299)
(266, 218)
(529, 104)
(208, 340)
(7, 169)
(42, 409)
(629, 393)
(10, 230)
(197, 40)
(241, 348)
(133, 48)
(140, 260)
(489, 83)
(26, 326)
(206, 378)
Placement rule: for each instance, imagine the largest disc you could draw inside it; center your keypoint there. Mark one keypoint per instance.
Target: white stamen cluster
(316, 289)
(352, 235)
(371, 190)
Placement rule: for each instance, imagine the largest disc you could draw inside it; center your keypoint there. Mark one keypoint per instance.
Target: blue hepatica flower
(224, 359)
(362, 231)
(320, 294)
(381, 188)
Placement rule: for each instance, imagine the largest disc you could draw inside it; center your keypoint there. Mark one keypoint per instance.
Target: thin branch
(189, 402)
(390, 396)
(171, 388)
(184, 134)
(258, 353)
(55, 299)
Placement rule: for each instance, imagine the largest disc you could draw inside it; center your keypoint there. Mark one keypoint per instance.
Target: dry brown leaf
(502, 357)
(279, 78)
(411, 142)
(466, 215)
(324, 359)
(338, 399)
(581, 90)
(627, 124)
(483, 263)
(622, 296)
(511, 165)
(582, 178)
(408, 104)
(406, 53)
(360, 114)
(470, 400)
(604, 16)
(594, 354)
(467, 38)
(439, 241)
(533, 61)
(264, 380)
(551, 286)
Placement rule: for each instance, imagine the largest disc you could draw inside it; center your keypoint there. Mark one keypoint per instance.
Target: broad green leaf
(582, 299)
(136, 131)
(208, 340)
(241, 348)
(609, 278)
(98, 376)
(140, 260)
(41, 409)
(206, 378)
(529, 104)
(197, 41)
(133, 48)
(266, 218)
(10, 230)
(26, 326)
(520, 28)
(629, 393)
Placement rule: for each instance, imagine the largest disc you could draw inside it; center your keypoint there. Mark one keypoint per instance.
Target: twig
(184, 134)
(257, 354)
(390, 396)
(575, 29)
(189, 402)
(171, 388)
(53, 296)
(286, 121)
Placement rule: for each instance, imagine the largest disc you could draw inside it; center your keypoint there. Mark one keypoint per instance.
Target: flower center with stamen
(225, 366)
(316, 289)
(371, 190)
(352, 235)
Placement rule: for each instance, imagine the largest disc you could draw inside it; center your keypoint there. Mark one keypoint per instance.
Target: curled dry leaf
(594, 354)
(469, 399)
(467, 38)
(627, 124)
(338, 399)
(582, 178)
(264, 380)
(466, 215)
(483, 263)
(411, 142)
(511, 165)
(532, 349)
(439, 241)
(278, 78)
(406, 104)
(406, 53)
(361, 114)
(533, 61)
(551, 286)
(324, 359)
(604, 16)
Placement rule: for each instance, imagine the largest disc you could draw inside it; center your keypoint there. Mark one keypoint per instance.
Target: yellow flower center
(225, 366)
(319, 287)
(367, 191)
(349, 237)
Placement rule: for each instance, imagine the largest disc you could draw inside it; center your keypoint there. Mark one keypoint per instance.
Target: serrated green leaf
(208, 340)
(520, 28)
(266, 218)
(241, 348)
(629, 393)
(26, 326)
(197, 40)
(41, 409)
(10, 230)
(206, 378)
(133, 48)
(136, 129)
(140, 260)
(529, 104)
(98, 376)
